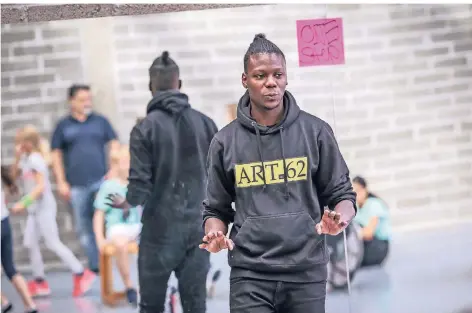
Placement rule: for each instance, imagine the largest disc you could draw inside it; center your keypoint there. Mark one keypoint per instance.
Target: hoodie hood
(291, 113)
(172, 101)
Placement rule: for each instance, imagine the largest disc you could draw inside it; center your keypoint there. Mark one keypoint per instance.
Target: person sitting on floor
(374, 218)
(121, 226)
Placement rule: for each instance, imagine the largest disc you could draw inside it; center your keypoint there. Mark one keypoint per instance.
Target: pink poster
(320, 42)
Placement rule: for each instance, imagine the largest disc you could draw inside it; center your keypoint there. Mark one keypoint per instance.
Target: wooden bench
(109, 296)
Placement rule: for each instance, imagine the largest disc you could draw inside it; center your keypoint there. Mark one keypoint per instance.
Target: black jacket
(280, 179)
(167, 173)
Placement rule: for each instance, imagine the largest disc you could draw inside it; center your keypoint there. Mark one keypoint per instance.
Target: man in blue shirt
(79, 162)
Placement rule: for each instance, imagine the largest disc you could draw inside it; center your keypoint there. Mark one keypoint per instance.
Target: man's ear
(244, 80)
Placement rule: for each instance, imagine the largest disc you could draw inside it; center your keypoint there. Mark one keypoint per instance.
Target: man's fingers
(210, 236)
(229, 243)
(337, 217)
(332, 214)
(319, 229)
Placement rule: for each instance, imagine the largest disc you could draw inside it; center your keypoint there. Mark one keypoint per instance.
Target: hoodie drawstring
(259, 147)
(284, 162)
(258, 134)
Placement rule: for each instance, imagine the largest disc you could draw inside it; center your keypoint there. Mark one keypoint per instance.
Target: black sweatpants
(265, 296)
(180, 254)
(375, 252)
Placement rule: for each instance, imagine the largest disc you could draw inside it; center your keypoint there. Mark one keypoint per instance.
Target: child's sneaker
(39, 288)
(83, 282)
(7, 308)
(132, 297)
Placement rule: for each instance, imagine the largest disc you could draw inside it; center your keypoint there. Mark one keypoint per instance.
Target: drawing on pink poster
(320, 42)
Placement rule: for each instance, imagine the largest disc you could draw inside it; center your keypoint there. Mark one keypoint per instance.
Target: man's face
(81, 102)
(266, 79)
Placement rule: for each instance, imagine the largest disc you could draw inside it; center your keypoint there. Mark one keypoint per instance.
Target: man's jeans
(81, 201)
(248, 295)
(181, 255)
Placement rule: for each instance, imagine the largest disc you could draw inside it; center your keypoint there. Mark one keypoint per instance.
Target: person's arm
(15, 168)
(140, 171)
(39, 187)
(58, 166)
(218, 212)
(39, 167)
(57, 146)
(369, 230)
(377, 211)
(100, 205)
(332, 177)
(110, 137)
(98, 226)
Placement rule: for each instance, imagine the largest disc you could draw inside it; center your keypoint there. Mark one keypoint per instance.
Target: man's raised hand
(215, 242)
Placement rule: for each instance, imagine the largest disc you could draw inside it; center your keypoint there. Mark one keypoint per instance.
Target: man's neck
(79, 116)
(267, 117)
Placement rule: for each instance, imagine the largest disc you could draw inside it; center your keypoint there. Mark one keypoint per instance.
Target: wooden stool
(109, 296)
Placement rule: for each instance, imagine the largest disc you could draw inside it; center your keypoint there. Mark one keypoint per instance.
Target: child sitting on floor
(121, 226)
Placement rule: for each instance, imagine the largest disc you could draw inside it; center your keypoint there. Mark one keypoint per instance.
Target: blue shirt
(374, 207)
(83, 146)
(114, 216)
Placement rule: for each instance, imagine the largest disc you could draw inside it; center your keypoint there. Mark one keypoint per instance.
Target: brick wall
(401, 105)
(39, 62)
(402, 102)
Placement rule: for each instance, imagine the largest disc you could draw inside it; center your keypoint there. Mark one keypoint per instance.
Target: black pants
(157, 262)
(265, 296)
(375, 252)
(7, 249)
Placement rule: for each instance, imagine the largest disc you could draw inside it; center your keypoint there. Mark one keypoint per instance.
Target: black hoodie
(276, 208)
(167, 173)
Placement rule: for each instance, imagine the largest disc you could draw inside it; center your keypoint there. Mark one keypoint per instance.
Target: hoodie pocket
(277, 242)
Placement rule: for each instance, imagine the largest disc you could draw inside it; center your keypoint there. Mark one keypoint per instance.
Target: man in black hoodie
(281, 166)
(167, 176)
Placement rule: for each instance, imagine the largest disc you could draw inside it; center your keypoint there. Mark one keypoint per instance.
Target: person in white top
(41, 206)
(8, 264)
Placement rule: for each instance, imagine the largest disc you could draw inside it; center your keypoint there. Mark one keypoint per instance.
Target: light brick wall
(402, 102)
(401, 106)
(39, 62)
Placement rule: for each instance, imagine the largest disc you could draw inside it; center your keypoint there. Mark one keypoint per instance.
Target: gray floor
(428, 271)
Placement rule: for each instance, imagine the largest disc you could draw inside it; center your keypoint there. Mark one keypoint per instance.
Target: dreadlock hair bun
(259, 36)
(165, 57)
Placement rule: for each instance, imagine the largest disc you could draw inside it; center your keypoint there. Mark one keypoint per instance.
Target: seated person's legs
(375, 252)
(120, 235)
